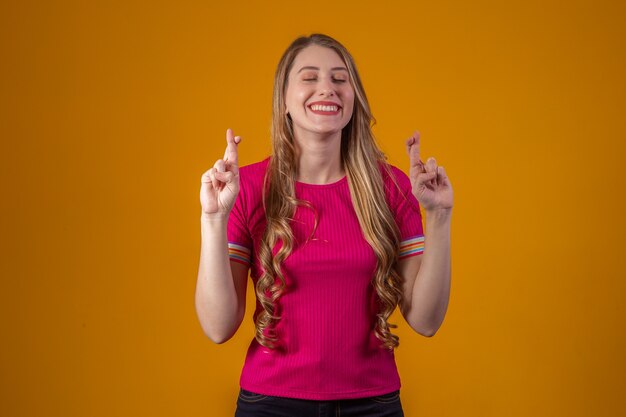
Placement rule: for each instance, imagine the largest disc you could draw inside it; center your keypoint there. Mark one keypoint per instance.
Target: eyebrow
(317, 68)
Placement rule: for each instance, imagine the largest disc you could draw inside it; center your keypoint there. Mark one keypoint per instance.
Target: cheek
(295, 98)
(348, 100)
(348, 94)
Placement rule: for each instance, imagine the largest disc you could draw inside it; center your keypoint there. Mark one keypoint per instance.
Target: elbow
(217, 336)
(218, 339)
(220, 333)
(218, 329)
(425, 329)
(428, 327)
(427, 332)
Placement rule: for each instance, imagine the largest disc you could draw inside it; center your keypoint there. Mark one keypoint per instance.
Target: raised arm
(221, 287)
(426, 286)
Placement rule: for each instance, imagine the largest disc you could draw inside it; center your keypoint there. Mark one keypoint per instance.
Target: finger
(220, 165)
(225, 177)
(231, 167)
(425, 179)
(414, 140)
(206, 177)
(231, 153)
(416, 166)
(431, 165)
(413, 148)
(229, 137)
(442, 177)
(214, 182)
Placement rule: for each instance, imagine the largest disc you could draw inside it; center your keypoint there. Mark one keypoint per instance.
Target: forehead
(317, 56)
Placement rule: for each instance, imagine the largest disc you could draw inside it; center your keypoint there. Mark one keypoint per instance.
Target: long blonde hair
(362, 160)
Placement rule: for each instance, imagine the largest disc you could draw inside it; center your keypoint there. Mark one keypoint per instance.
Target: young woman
(332, 236)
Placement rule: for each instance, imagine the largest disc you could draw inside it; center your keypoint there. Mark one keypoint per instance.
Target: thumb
(226, 177)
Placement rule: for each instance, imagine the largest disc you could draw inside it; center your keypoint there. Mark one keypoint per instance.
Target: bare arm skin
(426, 278)
(221, 287)
(426, 286)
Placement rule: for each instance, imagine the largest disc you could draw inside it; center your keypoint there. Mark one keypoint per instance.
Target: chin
(329, 128)
(328, 131)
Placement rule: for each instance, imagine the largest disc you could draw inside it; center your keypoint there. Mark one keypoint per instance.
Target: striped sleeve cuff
(411, 246)
(239, 253)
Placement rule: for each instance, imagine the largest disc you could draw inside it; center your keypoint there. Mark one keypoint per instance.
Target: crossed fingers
(226, 168)
(418, 167)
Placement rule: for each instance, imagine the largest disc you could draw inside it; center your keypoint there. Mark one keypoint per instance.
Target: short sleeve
(238, 234)
(406, 211)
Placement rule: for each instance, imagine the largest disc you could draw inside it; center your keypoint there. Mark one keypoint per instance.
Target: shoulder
(398, 174)
(251, 176)
(255, 170)
(249, 197)
(394, 179)
(398, 188)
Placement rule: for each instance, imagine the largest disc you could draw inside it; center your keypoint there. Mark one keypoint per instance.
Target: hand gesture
(220, 184)
(429, 182)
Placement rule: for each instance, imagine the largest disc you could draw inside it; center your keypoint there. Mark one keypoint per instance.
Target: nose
(327, 88)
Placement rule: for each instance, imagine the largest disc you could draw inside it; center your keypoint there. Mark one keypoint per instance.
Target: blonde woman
(332, 238)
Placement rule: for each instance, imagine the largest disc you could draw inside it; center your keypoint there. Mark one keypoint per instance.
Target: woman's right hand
(220, 184)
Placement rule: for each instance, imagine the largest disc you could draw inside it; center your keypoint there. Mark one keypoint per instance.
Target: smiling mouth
(325, 109)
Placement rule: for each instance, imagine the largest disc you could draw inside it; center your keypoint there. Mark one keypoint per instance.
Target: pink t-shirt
(328, 349)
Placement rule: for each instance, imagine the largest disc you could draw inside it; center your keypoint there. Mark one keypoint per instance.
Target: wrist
(440, 215)
(214, 218)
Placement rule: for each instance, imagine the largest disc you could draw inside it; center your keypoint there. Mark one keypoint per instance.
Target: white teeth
(319, 107)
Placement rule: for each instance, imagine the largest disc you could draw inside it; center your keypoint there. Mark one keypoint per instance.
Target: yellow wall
(111, 112)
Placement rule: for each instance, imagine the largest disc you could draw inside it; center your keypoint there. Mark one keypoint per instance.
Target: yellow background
(112, 110)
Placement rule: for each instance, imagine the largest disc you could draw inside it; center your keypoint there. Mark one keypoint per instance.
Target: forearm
(216, 298)
(431, 291)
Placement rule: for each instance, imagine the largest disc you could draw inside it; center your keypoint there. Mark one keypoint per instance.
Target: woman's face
(319, 96)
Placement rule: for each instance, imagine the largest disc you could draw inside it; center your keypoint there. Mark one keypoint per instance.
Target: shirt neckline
(329, 185)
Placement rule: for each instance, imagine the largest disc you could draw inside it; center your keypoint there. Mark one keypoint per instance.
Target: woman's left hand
(429, 182)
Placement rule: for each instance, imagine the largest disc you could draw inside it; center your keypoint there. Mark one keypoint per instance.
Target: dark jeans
(250, 404)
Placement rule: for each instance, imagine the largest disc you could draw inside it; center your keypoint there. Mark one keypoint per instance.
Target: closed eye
(334, 80)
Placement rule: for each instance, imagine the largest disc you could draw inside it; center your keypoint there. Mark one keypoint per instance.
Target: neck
(319, 157)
